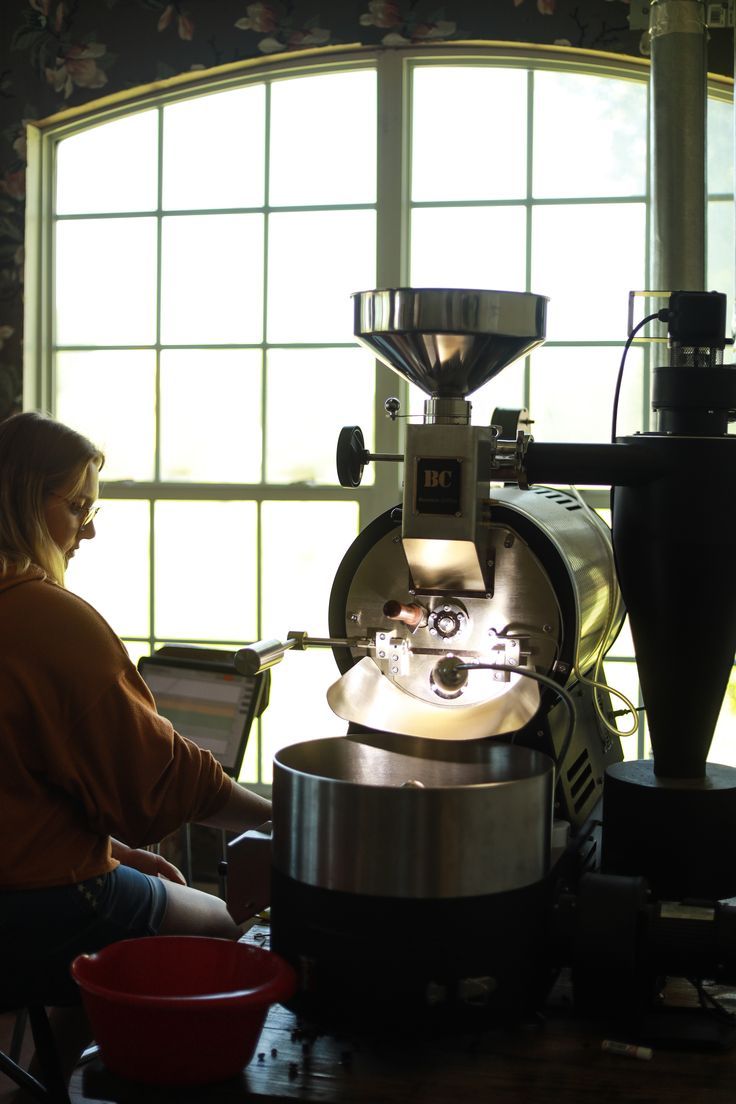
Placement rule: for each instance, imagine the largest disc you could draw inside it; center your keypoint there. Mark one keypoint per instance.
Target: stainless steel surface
(449, 341)
(583, 543)
(261, 655)
(358, 818)
(523, 603)
(679, 103)
(367, 696)
(447, 411)
(442, 514)
(523, 612)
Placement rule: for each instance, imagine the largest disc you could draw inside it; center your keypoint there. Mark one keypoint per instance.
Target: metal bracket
(508, 458)
(392, 654)
(509, 648)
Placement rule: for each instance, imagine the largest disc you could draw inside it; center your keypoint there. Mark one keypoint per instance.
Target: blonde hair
(38, 457)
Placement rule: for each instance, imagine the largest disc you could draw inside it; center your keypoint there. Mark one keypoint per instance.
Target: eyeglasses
(85, 515)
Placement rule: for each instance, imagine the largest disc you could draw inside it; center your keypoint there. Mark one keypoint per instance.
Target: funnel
(448, 341)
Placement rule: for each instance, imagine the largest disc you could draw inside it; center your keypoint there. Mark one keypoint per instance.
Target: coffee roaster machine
(477, 827)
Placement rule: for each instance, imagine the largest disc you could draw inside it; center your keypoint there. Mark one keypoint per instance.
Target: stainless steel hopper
(449, 341)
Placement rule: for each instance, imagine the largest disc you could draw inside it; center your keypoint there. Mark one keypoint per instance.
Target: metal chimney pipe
(678, 86)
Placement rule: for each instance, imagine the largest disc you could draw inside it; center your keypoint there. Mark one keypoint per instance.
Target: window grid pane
(189, 353)
(202, 166)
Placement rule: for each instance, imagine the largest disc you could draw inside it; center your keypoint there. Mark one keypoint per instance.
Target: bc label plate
(438, 486)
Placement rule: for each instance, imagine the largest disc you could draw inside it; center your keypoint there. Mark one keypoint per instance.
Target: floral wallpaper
(58, 53)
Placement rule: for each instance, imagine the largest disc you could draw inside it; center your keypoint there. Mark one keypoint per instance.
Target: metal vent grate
(581, 781)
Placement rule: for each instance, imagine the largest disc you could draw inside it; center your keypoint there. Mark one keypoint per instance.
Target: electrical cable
(545, 681)
(603, 687)
(663, 315)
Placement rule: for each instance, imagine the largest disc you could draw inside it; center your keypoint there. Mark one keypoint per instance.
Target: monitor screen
(211, 705)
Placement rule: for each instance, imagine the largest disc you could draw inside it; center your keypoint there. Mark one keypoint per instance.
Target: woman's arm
(243, 809)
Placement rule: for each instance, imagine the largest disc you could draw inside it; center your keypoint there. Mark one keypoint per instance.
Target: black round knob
(352, 456)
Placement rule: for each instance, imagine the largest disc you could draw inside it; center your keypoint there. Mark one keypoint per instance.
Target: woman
(89, 772)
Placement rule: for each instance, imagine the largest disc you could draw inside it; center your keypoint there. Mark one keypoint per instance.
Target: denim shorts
(43, 930)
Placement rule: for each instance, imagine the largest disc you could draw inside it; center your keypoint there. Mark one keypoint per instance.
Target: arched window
(193, 254)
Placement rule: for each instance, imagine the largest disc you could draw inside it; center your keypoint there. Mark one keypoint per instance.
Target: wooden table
(559, 1059)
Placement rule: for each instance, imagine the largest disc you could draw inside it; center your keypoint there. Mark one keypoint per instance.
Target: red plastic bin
(180, 1010)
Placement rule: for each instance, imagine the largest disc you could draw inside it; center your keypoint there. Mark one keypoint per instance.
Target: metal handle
(261, 655)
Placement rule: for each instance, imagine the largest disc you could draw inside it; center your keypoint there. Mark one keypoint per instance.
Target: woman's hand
(148, 862)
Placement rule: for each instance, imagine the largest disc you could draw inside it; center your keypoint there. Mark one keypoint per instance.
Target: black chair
(51, 1087)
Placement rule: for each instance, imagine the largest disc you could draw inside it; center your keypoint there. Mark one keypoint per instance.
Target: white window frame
(393, 205)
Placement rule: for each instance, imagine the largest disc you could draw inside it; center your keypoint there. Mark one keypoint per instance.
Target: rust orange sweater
(83, 753)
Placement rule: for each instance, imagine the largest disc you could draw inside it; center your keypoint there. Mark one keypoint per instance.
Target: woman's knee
(191, 912)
